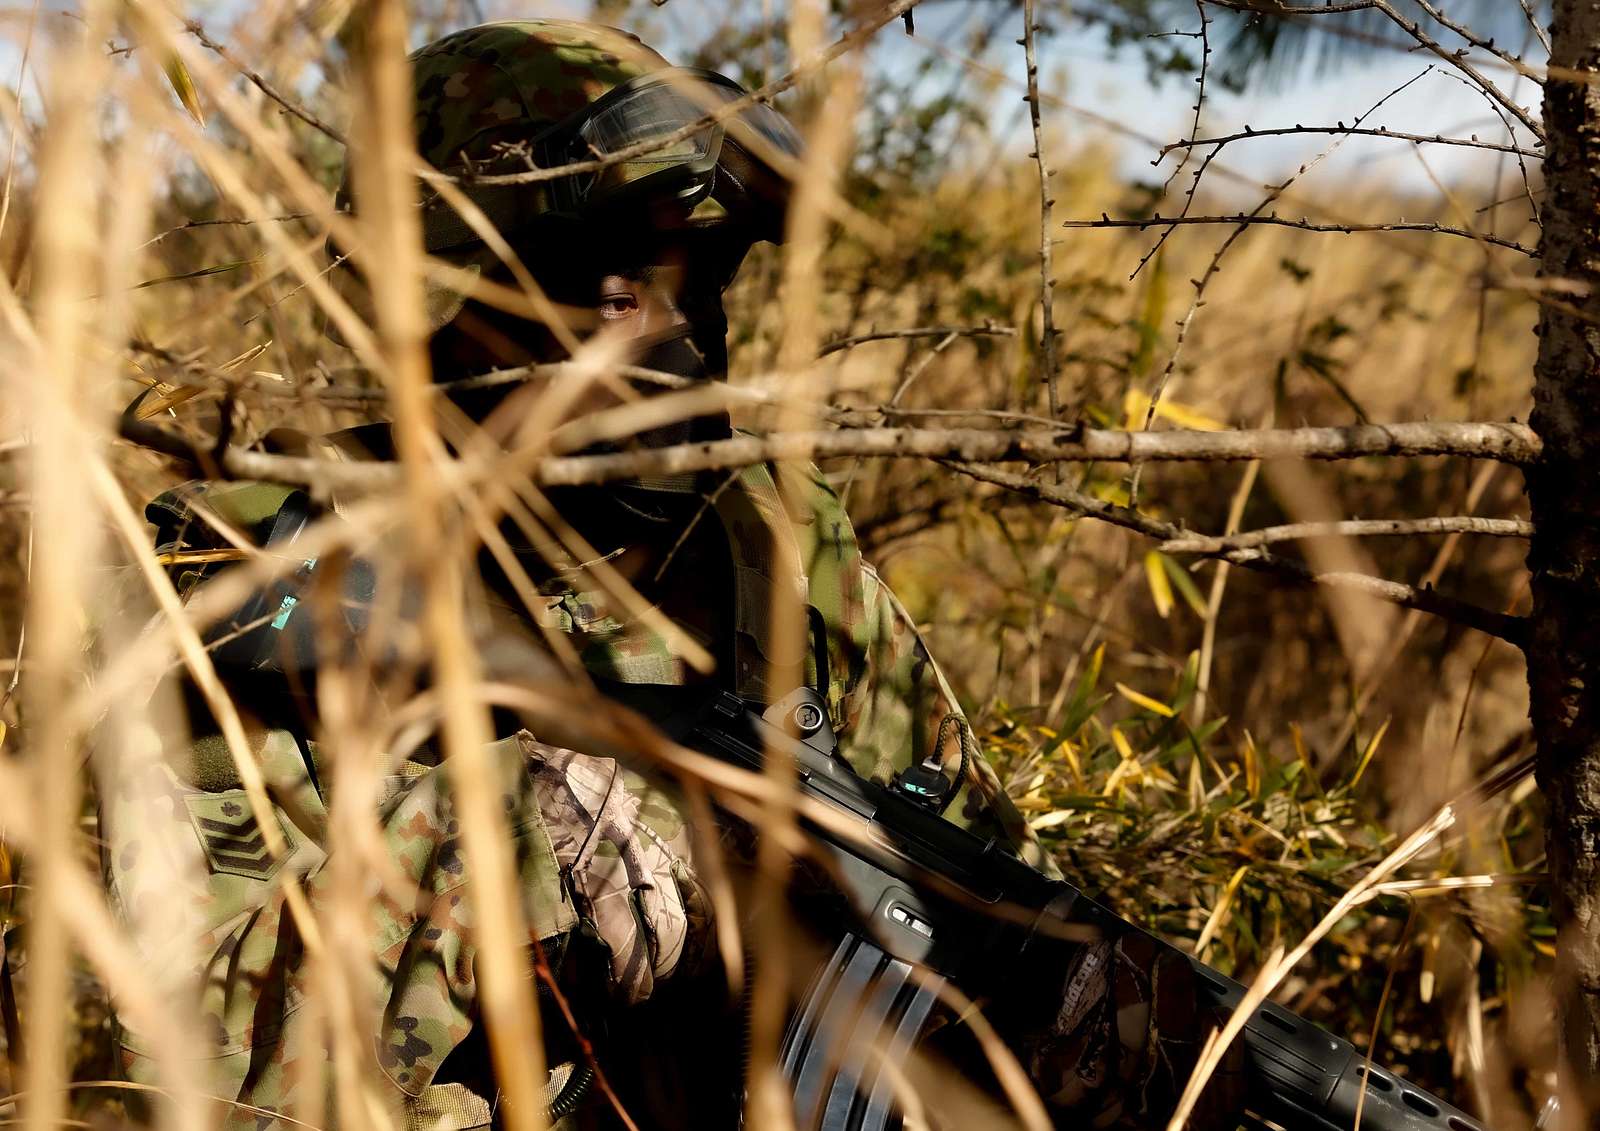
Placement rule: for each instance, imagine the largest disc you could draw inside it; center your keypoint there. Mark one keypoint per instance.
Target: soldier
(607, 861)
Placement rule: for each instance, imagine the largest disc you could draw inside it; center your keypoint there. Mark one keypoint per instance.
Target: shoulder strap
(766, 554)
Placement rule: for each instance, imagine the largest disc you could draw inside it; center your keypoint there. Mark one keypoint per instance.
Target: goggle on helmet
(701, 174)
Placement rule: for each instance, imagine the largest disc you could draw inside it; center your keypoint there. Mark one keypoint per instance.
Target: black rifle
(935, 903)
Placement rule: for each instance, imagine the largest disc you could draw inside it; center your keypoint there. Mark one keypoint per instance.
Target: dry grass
(1233, 819)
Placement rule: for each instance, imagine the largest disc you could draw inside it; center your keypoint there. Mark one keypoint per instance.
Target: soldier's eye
(618, 305)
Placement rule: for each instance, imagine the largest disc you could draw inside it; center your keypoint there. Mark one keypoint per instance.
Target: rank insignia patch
(232, 840)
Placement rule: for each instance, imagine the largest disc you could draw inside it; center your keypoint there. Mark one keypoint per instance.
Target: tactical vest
(783, 530)
(265, 634)
(760, 529)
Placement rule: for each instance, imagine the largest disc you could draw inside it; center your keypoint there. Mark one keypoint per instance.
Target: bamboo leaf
(1084, 702)
(1136, 407)
(1051, 819)
(1188, 418)
(1160, 587)
(1155, 706)
(1081, 711)
(1208, 728)
(1152, 317)
(1366, 755)
(1219, 912)
(1188, 680)
(183, 87)
(1185, 585)
(1302, 753)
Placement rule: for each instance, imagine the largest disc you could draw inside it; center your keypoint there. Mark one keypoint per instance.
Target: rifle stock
(937, 905)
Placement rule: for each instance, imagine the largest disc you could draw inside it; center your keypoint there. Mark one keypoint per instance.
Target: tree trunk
(1564, 491)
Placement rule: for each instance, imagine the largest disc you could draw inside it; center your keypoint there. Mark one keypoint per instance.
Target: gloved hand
(624, 853)
(1125, 1039)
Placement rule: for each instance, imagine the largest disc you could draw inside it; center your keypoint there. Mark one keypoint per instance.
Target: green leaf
(1081, 711)
(1139, 699)
(1205, 730)
(1188, 680)
(1366, 755)
(183, 87)
(1160, 588)
(1151, 317)
(1185, 585)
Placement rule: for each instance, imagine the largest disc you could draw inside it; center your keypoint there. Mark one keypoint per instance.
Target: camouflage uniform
(603, 852)
(600, 848)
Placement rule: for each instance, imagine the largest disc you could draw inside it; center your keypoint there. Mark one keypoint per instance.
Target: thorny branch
(1215, 265)
(1536, 25)
(221, 222)
(1507, 443)
(1347, 131)
(1305, 225)
(1510, 58)
(1353, 528)
(1200, 94)
(1457, 59)
(1047, 277)
(985, 330)
(1522, 164)
(1117, 126)
(196, 29)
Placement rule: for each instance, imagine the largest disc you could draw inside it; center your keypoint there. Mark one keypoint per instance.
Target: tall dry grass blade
(60, 396)
(828, 138)
(1219, 584)
(384, 167)
(16, 130)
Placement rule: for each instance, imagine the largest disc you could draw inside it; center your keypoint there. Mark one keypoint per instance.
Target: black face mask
(681, 356)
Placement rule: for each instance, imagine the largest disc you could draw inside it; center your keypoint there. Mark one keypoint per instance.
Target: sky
(1111, 86)
(1436, 103)
(1084, 72)
(1090, 77)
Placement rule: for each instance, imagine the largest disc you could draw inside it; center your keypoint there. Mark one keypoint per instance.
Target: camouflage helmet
(483, 91)
(490, 99)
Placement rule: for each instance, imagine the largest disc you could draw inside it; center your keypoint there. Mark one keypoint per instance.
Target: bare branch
(1457, 59)
(1047, 280)
(916, 332)
(1533, 22)
(1204, 35)
(1348, 131)
(1511, 59)
(221, 222)
(1274, 193)
(1511, 443)
(1511, 629)
(196, 29)
(1304, 225)
(1353, 528)
(1507, 443)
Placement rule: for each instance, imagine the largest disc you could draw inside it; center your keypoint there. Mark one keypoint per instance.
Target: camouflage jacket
(182, 847)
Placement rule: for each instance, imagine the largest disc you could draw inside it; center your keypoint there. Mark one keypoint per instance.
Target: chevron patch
(230, 837)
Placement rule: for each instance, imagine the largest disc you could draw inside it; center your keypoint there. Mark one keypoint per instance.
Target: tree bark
(1564, 555)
